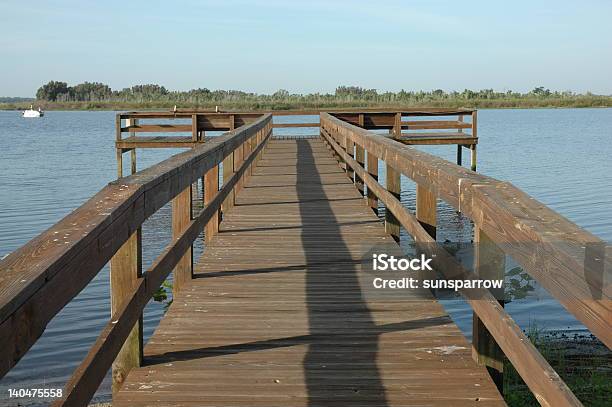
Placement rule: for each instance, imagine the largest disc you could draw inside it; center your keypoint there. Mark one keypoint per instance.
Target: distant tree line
(55, 91)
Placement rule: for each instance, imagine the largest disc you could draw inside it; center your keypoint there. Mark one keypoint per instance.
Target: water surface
(50, 166)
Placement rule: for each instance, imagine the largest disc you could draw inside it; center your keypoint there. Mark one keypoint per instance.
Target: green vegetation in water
(98, 96)
(582, 361)
(163, 294)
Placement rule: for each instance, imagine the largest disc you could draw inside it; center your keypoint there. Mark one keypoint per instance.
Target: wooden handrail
(565, 259)
(40, 278)
(90, 373)
(525, 229)
(537, 373)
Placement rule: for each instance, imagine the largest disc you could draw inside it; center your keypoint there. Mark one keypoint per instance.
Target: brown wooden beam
(181, 217)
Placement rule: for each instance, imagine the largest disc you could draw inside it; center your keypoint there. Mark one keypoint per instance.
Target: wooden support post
(119, 151)
(133, 157)
(474, 134)
(211, 188)
(473, 157)
(489, 263)
(119, 163)
(360, 158)
(194, 127)
(125, 270)
(349, 147)
(459, 146)
(181, 217)
(237, 162)
(397, 126)
(426, 209)
(392, 225)
(373, 171)
(228, 171)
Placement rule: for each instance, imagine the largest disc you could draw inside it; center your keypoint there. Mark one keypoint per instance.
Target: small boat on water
(32, 113)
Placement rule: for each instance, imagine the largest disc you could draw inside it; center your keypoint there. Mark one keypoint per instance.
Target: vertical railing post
(228, 171)
(373, 171)
(181, 217)
(426, 209)
(119, 150)
(360, 158)
(349, 147)
(211, 189)
(392, 225)
(133, 122)
(489, 263)
(460, 146)
(474, 134)
(397, 125)
(125, 270)
(194, 127)
(238, 157)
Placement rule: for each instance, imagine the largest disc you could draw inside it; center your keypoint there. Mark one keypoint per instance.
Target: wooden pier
(277, 311)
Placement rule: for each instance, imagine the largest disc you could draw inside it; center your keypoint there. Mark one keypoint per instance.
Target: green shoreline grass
(519, 103)
(582, 361)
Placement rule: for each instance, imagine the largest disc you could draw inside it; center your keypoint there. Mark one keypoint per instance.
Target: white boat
(33, 113)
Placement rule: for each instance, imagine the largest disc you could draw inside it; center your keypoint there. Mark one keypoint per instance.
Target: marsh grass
(582, 361)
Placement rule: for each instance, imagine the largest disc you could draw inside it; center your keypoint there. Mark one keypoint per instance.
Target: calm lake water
(50, 166)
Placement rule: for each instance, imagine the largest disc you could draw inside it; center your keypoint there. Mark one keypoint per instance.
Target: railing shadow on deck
(324, 316)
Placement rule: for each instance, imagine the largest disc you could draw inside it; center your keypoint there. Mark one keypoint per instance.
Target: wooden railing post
(474, 134)
(228, 171)
(238, 158)
(360, 158)
(125, 269)
(373, 171)
(194, 127)
(489, 263)
(211, 188)
(392, 225)
(459, 146)
(397, 126)
(349, 147)
(181, 217)
(426, 209)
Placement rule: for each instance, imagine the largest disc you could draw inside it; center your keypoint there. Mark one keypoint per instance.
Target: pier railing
(565, 259)
(40, 278)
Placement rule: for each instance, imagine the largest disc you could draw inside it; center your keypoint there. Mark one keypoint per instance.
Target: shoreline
(238, 106)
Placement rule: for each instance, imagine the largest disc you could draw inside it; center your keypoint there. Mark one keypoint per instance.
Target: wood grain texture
(181, 218)
(426, 209)
(278, 313)
(125, 270)
(211, 188)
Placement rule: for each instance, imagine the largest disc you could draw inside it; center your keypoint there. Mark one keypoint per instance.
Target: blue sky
(309, 46)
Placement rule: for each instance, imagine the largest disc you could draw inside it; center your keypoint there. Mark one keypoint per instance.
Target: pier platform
(276, 314)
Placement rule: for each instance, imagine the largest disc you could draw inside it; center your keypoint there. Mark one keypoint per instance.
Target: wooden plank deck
(277, 314)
